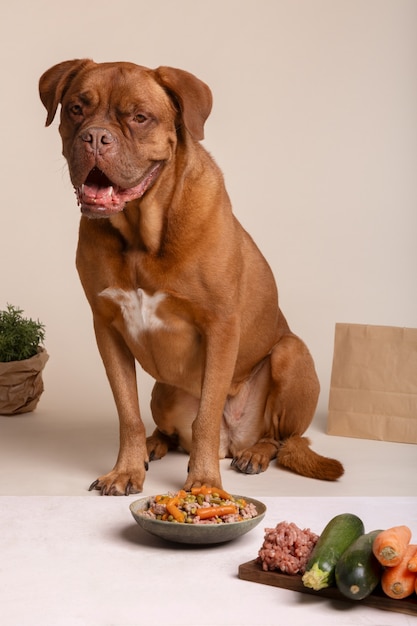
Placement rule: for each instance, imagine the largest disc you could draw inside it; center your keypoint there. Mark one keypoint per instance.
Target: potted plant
(22, 359)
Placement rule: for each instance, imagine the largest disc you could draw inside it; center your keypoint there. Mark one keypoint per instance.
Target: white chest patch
(138, 308)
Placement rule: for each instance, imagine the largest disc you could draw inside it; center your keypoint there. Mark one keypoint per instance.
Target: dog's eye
(140, 118)
(76, 109)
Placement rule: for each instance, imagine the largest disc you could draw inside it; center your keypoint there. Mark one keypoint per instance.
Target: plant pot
(21, 384)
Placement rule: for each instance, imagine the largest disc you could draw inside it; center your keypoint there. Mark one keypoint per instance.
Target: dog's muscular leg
(290, 404)
(290, 407)
(128, 474)
(221, 350)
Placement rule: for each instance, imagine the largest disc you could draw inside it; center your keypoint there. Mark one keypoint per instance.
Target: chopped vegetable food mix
(201, 505)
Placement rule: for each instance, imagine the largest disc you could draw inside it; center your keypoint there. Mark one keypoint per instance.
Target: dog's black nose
(97, 137)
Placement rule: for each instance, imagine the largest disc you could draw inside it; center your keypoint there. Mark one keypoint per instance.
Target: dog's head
(120, 126)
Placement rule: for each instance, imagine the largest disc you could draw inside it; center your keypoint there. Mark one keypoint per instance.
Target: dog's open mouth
(100, 197)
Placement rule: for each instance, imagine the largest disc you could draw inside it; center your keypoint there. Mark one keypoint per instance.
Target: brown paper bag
(373, 387)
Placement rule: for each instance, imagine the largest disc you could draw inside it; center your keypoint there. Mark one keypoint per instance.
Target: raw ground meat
(287, 548)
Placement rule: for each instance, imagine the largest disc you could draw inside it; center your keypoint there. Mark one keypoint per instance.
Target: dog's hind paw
(158, 444)
(248, 464)
(255, 459)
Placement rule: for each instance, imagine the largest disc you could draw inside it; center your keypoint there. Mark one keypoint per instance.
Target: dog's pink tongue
(96, 193)
(101, 201)
(96, 201)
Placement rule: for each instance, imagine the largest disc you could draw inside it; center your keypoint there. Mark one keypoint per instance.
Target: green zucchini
(358, 571)
(336, 537)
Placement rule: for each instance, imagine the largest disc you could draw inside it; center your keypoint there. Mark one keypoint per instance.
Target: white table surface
(83, 561)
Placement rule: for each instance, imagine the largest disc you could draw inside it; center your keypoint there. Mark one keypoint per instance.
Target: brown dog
(175, 282)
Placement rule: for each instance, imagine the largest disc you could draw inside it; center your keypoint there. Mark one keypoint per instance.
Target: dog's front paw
(117, 483)
(210, 479)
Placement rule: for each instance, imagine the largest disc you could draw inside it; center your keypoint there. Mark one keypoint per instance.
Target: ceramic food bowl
(196, 533)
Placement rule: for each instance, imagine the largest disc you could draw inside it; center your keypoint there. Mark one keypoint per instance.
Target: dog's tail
(295, 454)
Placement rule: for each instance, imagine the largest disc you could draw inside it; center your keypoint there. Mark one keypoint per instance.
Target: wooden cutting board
(378, 600)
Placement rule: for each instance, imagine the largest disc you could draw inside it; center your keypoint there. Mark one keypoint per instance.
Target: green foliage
(20, 337)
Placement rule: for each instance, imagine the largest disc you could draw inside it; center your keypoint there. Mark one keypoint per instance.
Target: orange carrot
(203, 490)
(196, 490)
(397, 581)
(210, 490)
(412, 562)
(162, 499)
(390, 545)
(173, 509)
(216, 511)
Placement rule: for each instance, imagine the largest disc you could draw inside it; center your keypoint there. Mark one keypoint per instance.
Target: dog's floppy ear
(192, 96)
(54, 82)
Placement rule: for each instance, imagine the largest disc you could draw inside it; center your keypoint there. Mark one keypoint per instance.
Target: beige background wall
(314, 126)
